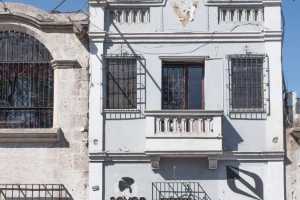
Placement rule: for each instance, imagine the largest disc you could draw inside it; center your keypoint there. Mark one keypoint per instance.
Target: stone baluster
(157, 124)
(183, 124)
(207, 126)
(161, 125)
(260, 15)
(211, 125)
(175, 121)
(191, 120)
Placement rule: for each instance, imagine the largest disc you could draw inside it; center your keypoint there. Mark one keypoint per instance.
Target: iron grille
(34, 192)
(249, 86)
(125, 86)
(121, 78)
(178, 191)
(26, 82)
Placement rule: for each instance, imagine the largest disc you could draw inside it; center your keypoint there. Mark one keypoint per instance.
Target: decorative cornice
(48, 22)
(243, 2)
(189, 37)
(118, 157)
(143, 157)
(249, 156)
(104, 3)
(116, 3)
(65, 64)
(184, 113)
(42, 25)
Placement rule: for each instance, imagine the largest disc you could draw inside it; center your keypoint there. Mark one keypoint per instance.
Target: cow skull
(185, 10)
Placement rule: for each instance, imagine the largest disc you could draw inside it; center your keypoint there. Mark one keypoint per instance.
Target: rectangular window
(121, 76)
(182, 86)
(247, 83)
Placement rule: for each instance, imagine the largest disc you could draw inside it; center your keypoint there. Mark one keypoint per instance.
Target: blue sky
(291, 44)
(70, 5)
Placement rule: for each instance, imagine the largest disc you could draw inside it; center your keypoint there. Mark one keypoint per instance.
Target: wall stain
(185, 10)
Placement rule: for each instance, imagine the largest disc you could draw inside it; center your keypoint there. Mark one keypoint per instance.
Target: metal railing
(178, 191)
(34, 192)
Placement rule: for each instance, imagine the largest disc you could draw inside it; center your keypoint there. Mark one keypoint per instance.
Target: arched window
(26, 82)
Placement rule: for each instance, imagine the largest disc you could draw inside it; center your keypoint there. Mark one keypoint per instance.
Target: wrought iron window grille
(26, 82)
(34, 191)
(249, 96)
(124, 86)
(178, 191)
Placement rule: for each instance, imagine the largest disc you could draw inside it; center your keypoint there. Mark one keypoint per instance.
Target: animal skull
(185, 10)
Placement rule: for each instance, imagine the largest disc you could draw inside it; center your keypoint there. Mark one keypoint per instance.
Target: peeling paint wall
(185, 10)
(65, 163)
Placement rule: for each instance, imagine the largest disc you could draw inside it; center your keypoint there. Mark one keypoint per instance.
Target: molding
(194, 59)
(118, 157)
(43, 20)
(225, 156)
(124, 3)
(104, 3)
(251, 156)
(45, 25)
(176, 113)
(182, 136)
(31, 135)
(189, 37)
(65, 64)
(243, 2)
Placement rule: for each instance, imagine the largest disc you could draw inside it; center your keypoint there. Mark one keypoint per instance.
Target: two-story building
(43, 104)
(185, 100)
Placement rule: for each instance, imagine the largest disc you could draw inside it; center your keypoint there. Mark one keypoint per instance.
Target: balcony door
(182, 86)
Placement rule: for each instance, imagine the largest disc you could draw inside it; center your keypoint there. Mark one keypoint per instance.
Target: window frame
(134, 113)
(107, 94)
(14, 60)
(265, 101)
(185, 65)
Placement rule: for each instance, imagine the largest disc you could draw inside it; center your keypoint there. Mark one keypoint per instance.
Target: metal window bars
(124, 86)
(26, 82)
(178, 191)
(248, 86)
(34, 192)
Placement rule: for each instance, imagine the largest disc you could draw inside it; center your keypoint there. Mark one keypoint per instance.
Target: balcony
(184, 132)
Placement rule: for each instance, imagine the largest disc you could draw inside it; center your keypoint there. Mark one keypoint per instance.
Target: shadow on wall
(190, 169)
(231, 138)
(240, 181)
(234, 177)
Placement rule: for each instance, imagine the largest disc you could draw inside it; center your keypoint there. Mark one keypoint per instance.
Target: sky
(291, 10)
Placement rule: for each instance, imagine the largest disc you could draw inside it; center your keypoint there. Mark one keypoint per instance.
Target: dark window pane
(195, 77)
(182, 86)
(121, 83)
(26, 82)
(173, 87)
(247, 83)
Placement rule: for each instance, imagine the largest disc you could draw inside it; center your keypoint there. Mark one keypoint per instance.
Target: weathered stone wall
(65, 162)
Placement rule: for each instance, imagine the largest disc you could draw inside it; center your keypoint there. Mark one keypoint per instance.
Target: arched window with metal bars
(26, 82)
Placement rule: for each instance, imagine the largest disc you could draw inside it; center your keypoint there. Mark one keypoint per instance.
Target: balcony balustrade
(182, 132)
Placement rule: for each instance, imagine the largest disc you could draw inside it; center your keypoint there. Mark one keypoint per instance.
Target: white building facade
(185, 100)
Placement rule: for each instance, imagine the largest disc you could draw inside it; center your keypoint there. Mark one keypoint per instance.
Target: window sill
(121, 111)
(30, 135)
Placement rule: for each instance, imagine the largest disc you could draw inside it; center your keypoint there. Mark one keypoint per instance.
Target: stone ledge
(20, 135)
